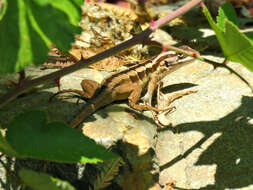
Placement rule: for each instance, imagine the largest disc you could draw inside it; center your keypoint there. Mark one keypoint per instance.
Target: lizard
(130, 84)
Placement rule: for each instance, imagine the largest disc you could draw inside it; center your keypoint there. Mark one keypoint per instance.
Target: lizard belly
(122, 93)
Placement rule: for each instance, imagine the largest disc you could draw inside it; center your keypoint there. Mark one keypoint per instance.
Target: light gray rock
(212, 140)
(208, 144)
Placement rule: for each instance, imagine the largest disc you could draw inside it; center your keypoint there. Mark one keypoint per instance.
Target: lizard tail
(88, 110)
(102, 100)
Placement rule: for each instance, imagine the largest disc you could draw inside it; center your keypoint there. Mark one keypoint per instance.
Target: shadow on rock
(232, 152)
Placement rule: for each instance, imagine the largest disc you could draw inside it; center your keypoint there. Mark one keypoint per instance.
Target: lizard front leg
(179, 95)
(161, 102)
(152, 86)
(134, 97)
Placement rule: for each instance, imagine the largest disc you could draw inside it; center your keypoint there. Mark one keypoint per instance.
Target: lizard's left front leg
(152, 87)
(161, 102)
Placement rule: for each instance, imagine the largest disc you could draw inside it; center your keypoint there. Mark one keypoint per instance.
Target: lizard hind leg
(89, 87)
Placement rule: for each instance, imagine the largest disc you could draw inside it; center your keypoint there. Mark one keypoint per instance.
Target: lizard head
(170, 62)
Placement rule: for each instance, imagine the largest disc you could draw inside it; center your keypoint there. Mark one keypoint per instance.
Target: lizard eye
(166, 63)
(180, 55)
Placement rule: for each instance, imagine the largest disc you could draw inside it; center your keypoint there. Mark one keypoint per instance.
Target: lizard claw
(156, 119)
(158, 122)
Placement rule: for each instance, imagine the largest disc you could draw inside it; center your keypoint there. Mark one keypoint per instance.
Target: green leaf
(3, 8)
(31, 136)
(235, 45)
(238, 47)
(250, 36)
(70, 8)
(5, 147)
(226, 11)
(35, 26)
(42, 181)
(214, 26)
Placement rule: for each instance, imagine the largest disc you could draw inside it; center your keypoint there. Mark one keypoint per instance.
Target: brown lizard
(130, 84)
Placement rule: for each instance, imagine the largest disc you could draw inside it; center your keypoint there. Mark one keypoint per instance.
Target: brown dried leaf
(104, 25)
(108, 173)
(108, 64)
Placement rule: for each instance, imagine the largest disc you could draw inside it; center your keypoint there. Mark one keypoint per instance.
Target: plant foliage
(5, 147)
(235, 45)
(3, 6)
(42, 181)
(30, 27)
(32, 136)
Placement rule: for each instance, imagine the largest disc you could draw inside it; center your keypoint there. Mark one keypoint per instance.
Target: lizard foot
(161, 102)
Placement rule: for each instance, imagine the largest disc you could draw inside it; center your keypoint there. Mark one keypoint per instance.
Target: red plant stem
(137, 39)
(174, 14)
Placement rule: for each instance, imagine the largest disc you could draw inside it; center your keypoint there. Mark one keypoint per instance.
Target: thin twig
(215, 64)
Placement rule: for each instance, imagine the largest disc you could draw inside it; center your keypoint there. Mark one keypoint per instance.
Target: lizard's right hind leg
(89, 87)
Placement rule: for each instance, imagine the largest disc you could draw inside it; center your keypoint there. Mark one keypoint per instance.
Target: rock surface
(207, 143)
